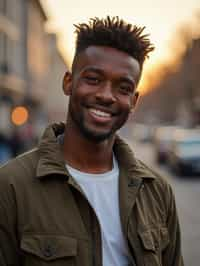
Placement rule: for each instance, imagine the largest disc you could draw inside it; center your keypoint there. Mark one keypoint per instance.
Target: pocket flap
(147, 240)
(49, 247)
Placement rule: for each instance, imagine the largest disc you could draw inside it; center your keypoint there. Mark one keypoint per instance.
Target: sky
(161, 19)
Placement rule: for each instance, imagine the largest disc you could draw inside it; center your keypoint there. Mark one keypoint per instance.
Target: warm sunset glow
(160, 17)
(19, 115)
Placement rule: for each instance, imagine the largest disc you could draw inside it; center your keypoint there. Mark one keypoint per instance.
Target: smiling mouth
(100, 116)
(100, 113)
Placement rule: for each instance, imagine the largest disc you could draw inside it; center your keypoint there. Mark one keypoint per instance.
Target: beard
(87, 132)
(93, 135)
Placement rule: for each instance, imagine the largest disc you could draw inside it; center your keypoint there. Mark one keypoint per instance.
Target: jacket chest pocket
(42, 250)
(154, 241)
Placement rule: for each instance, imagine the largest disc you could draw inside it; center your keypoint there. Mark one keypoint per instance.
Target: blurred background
(37, 47)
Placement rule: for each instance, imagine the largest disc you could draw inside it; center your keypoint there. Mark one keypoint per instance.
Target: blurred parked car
(162, 143)
(184, 157)
(142, 133)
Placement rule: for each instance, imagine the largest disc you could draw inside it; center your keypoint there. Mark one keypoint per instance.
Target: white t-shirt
(102, 192)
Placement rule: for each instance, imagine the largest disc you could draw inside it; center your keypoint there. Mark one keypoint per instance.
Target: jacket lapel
(128, 190)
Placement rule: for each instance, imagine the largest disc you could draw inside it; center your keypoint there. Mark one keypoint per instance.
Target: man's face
(102, 91)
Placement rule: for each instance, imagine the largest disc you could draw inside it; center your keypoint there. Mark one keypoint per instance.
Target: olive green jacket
(46, 220)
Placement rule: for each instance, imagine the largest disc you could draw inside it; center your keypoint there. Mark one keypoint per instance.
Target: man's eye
(92, 80)
(126, 89)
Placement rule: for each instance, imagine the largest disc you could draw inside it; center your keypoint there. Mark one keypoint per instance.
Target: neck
(87, 155)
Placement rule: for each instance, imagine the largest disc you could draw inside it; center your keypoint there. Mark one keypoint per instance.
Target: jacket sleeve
(8, 239)
(172, 255)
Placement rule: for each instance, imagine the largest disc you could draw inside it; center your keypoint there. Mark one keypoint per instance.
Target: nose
(105, 93)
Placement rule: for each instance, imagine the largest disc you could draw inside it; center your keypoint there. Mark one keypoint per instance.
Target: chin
(97, 136)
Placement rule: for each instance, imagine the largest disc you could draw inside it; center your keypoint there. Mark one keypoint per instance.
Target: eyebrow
(101, 72)
(93, 69)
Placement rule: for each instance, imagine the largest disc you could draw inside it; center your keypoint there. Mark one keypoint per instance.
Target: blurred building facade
(189, 74)
(12, 53)
(31, 67)
(55, 102)
(175, 99)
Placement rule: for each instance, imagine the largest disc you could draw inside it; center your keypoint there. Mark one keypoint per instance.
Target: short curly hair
(114, 32)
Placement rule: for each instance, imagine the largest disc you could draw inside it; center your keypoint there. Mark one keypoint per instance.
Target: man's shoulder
(20, 167)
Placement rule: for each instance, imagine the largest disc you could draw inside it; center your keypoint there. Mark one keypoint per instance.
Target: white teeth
(100, 113)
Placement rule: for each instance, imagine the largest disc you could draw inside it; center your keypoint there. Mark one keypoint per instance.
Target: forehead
(109, 60)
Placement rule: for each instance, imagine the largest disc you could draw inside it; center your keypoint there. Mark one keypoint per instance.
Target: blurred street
(187, 193)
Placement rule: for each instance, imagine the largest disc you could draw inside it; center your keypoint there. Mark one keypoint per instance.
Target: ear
(67, 83)
(135, 100)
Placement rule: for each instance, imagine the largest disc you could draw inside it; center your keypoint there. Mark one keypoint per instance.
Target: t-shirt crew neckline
(98, 177)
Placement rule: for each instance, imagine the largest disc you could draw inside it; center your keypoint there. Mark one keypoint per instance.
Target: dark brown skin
(103, 79)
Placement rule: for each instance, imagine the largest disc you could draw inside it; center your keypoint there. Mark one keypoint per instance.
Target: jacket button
(48, 251)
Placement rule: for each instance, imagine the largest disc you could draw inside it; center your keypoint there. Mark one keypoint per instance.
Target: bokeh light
(19, 115)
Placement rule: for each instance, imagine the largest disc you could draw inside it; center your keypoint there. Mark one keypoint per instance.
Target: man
(81, 197)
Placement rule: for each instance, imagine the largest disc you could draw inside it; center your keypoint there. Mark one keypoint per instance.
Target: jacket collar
(51, 160)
